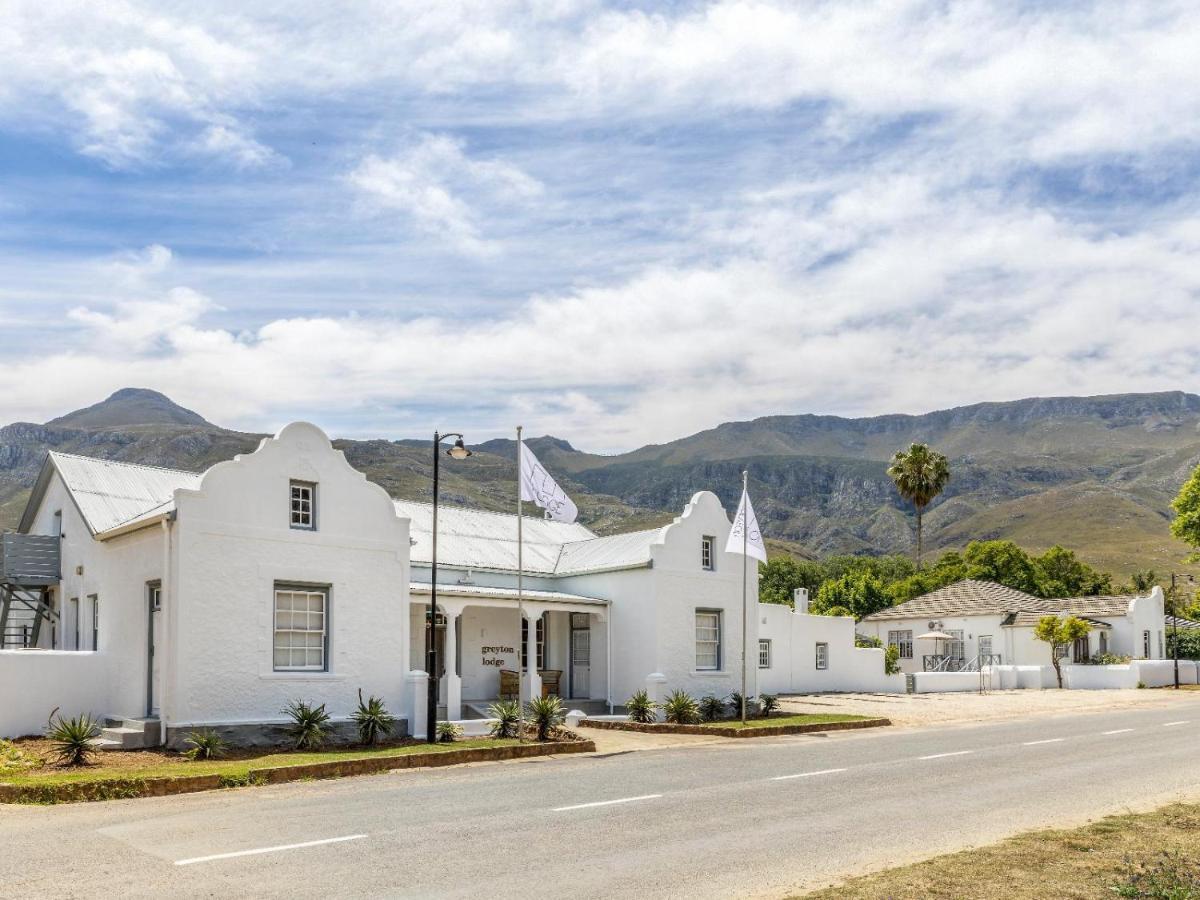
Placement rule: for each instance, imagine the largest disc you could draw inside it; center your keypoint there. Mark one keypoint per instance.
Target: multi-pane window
(708, 639)
(304, 505)
(95, 600)
(1145, 645)
(707, 560)
(822, 656)
(301, 629)
(764, 653)
(903, 640)
(539, 637)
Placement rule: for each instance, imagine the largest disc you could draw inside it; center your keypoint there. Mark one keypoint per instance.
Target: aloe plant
(681, 708)
(310, 724)
(372, 719)
(641, 708)
(448, 732)
(546, 713)
(712, 708)
(205, 744)
(72, 739)
(507, 714)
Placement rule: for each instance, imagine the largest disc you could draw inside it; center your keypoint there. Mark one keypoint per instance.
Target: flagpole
(745, 568)
(523, 649)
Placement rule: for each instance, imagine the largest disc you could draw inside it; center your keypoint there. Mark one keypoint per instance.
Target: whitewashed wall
(34, 682)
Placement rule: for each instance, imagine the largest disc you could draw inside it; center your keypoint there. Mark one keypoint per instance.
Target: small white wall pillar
(800, 599)
(656, 690)
(453, 678)
(531, 680)
(418, 688)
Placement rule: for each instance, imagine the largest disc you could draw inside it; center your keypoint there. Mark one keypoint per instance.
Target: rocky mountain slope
(1094, 473)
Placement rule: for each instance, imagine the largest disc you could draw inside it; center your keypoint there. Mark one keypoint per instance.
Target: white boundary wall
(78, 682)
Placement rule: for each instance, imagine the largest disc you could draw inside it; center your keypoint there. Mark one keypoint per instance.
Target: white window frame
(539, 639)
(764, 653)
(300, 517)
(710, 644)
(284, 639)
(1145, 645)
(822, 656)
(902, 639)
(708, 553)
(154, 591)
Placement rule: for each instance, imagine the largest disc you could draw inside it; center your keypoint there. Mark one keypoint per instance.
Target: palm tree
(920, 475)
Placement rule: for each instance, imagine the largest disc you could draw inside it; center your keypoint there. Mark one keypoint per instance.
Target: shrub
(891, 660)
(641, 708)
(205, 744)
(735, 703)
(72, 739)
(681, 708)
(309, 726)
(1108, 659)
(372, 719)
(448, 732)
(507, 714)
(711, 708)
(768, 704)
(13, 758)
(1173, 876)
(546, 713)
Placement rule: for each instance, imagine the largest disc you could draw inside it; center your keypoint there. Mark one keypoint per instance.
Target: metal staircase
(29, 567)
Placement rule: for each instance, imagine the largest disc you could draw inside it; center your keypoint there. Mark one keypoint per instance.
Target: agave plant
(546, 713)
(712, 708)
(768, 704)
(641, 708)
(205, 744)
(448, 732)
(309, 726)
(72, 739)
(681, 708)
(372, 719)
(507, 714)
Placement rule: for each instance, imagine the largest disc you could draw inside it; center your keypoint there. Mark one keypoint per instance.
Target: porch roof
(484, 592)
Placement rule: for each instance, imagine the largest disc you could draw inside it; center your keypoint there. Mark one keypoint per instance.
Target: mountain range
(1095, 474)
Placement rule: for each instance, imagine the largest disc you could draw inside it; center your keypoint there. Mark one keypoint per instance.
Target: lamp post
(1191, 579)
(457, 451)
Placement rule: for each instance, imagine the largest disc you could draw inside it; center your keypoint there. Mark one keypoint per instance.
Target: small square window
(304, 505)
(707, 557)
(764, 653)
(822, 656)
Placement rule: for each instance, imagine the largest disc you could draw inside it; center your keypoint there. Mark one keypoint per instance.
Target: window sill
(703, 672)
(301, 676)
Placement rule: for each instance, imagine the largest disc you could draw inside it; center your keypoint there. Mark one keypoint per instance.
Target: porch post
(418, 683)
(453, 678)
(531, 684)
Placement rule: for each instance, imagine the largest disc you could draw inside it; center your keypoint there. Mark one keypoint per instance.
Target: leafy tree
(779, 577)
(949, 568)
(1141, 582)
(1059, 633)
(1189, 644)
(1186, 525)
(862, 593)
(1002, 562)
(1059, 573)
(920, 474)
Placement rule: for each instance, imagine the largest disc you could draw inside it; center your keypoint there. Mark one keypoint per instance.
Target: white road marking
(941, 755)
(606, 802)
(1046, 741)
(807, 774)
(1118, 731)
(1169, 724)
(260, 850)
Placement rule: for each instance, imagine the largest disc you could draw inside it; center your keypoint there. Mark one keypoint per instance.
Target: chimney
(800, 600)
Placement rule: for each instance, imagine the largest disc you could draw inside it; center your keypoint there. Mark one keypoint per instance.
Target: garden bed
(152, 773)
(755, 727)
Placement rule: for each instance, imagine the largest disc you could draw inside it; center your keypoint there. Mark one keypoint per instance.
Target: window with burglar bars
(764, 653)
(707, 560)
(822, 656)
(301, 629)
(708, 639)
(903, 640)
(304, 505)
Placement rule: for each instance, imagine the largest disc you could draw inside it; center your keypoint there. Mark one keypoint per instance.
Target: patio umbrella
(935, 636)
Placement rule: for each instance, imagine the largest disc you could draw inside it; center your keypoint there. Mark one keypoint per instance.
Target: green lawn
(802, 719)
(158, 765)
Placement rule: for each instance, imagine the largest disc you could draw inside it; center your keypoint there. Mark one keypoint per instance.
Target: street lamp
(1191, 579)
(457, 451)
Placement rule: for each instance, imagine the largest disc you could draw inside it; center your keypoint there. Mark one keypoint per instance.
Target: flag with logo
(745, 536)
(538, 487)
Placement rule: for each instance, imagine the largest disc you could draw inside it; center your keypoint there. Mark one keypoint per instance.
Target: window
(95, 601)
(75, 623)
(154, 594)
(301, 629)
(1103, 642)
(764, 653)
(708, 640)
(707, 559)
(903, 640)
(1162, 651)
(304, 505)
(956, 648)
(539, 638)
(1145, 645)
(822, 656)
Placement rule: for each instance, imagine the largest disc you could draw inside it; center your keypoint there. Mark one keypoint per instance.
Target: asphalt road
(755, 817)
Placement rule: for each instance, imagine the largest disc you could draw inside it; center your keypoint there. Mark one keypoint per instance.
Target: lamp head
(459, 450)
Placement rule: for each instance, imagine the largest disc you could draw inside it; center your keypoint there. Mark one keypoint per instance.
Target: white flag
(538, 487)
(743, 537)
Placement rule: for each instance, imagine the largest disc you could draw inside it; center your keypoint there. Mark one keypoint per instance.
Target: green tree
(1059, 573)
(1141, 582)
(1189, 644)
(779, 577)
(1186, 525)
(920, 474)
(1002, 562)
(862, 593)
(1059, 633)
(949, 568)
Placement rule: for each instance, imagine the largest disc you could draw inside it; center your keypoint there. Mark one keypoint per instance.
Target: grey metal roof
(603, 554)
(475, 590)
(110, 493)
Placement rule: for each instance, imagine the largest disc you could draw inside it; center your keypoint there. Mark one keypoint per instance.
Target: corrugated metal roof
(617, 551)
(474, 590)
(114, 493)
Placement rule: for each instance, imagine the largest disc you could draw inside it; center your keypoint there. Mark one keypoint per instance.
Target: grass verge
(1144, 855)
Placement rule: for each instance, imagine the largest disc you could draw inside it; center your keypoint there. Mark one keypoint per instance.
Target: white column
(531, 681)
(418, 688)
(453, 678)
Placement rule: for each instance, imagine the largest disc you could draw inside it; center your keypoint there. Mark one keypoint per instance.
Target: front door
(153, 640)
(581, 656)
(985, 649)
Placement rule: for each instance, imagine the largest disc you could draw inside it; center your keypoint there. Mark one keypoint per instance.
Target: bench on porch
(510, 683)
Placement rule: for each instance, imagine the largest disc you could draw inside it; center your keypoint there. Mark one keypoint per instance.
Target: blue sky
(617, 223)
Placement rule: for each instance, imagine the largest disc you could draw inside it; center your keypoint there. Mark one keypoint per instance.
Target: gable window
(301, 629)
(822, 656)
(764, 653)
(1145, 645)
(304, 505)
(903, 641)
(707, 558)
(708, 640)
(539, 637)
